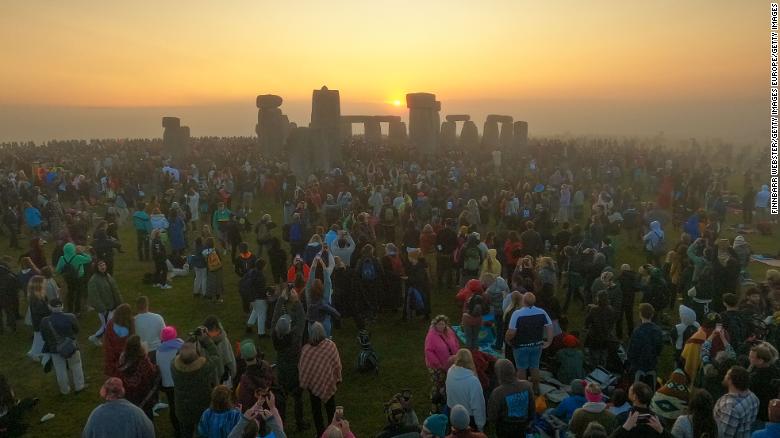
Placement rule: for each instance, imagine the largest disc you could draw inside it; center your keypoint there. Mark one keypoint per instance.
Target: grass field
(399, 344)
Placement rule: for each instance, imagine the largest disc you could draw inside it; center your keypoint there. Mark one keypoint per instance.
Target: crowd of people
(525, 245)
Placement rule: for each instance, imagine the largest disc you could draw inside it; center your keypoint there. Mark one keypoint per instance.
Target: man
(71, 265)
(736, 410)
(459, 420)
(641, 422)
(530, 331)
(143, 226)
(764, 375)
(511, 404)
(104, 419)
(148, 325)
(533, 244)
(227, 359)
(194, 375)
(772, 428)
(446, 244)
(9, 295)
(58, 330)
(645, 345)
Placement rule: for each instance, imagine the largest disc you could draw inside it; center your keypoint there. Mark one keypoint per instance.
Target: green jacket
(192, 384)
(102, 293)
(77, 260)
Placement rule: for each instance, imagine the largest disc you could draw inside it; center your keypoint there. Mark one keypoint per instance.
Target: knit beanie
(168, 333)
(437, 425)
(459, 418)
(677, 386)
(248, 350)
(283, 325)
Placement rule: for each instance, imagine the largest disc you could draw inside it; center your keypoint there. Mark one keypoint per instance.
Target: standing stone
(346, 131)
(372, 131)
(506, 136)
(424, 122)
(172, 134)
(490, 134)
(272, 125)
(448, 136)
(469, 136)
(396, 133)
(520, 135)
(326, 116)
(184, 134)
(171, 122)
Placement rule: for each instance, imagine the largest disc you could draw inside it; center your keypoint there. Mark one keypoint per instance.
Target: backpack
(367, 358)
(213, 262)
(367, 270)
(472, 259)
(69, 272)
(659, 248)
(476, 306)
(296, 234)
(416, 301)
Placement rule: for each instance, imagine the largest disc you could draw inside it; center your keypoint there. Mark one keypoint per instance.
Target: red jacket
(113, 346)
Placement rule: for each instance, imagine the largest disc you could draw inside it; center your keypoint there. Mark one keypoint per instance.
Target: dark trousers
(316, 411)
(444, 270)
(13, 237)
(297, 396)
(627, 313)
(143, 245)
(388, 232)
(573, 290)
(9, 305)
(160, 272)
(172, 411)
(73, 301)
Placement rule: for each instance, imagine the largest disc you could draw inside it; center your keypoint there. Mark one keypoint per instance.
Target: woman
(441, 344)
(214, 285)
(367, 282)
(417, 279)
(515, 303)
(699, 421)
(50, 283)
(118, 330)
(393, 268)
(654, 243)
(35, 253)
(103, 296)
(141, 378)
(491, 265)
(428, 248)
(600, 326)
(159, 257)
(176, 233)
(221, 417)
(320, 373)
(464, 388)
(39, 309)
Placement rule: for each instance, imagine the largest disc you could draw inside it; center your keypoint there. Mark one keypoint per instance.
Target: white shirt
(148, 327)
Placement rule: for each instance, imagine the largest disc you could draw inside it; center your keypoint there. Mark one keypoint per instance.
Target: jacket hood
(461, 374)
(69, 250)
(739, 241)
(492, 253)
(505, 372)
(474, 286)
(687, 315)
(197, 364)
(171, 345)
(594, 407)
(499, 285)
(764, 188)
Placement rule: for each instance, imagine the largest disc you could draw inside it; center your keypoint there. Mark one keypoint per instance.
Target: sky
(85, 69)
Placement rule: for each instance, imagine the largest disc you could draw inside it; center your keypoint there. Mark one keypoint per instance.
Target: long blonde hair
(517, 302)
(464, 359)
(35, 288)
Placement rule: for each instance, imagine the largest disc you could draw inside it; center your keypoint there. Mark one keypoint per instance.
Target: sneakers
(166, 286)
(95, 340)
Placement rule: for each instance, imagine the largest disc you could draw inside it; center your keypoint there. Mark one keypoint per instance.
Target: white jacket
(463, 388)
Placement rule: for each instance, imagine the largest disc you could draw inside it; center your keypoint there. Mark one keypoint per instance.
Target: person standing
(441, 344)
(170, 344)
(143, 226)
(320, 373)
(736, 410)
(72, 267)
(59, 332)
(140, 377)
(529, 332)
(464, 388)
(103, 296)
(159, 257)
(193, 376)
(511, 405)
(104, 420)
(148, 325)
(39, 309)
(645, 345)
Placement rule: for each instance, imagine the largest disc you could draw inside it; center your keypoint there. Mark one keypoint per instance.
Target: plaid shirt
(735, 413)
(320, 369)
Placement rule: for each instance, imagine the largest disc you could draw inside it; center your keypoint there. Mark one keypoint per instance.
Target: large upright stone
(172, 134)
(272, 126)
(469, 136)
(171, 122)
(506, 136)
(448, 137)
(373, 131)
(424, 121)
(396, 133)
(305, 152)
(520, 135)
(326, 116)
(490, 134)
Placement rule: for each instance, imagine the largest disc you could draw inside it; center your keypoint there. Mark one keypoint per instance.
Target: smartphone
(339, 413)
(643, 418)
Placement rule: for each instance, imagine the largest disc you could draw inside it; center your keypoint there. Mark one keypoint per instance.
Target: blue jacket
(566, 409)
(141, 221)
(770, 430)
(214, 424)
(645, 347)
(32, 216)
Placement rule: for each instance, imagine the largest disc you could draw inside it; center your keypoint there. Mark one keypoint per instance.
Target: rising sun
(397, 102)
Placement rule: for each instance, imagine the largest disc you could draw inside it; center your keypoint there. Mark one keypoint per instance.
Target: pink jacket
(439, 347)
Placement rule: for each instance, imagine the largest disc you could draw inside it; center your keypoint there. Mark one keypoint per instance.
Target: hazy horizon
(110, 70)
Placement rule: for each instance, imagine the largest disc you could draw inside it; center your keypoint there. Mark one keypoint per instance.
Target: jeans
(316, 411)
(527, 357)
(61, 368)
(143, 245)
(37, 346)
(258, 315)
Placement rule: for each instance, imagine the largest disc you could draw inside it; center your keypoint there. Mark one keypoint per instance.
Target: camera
(198, 333)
